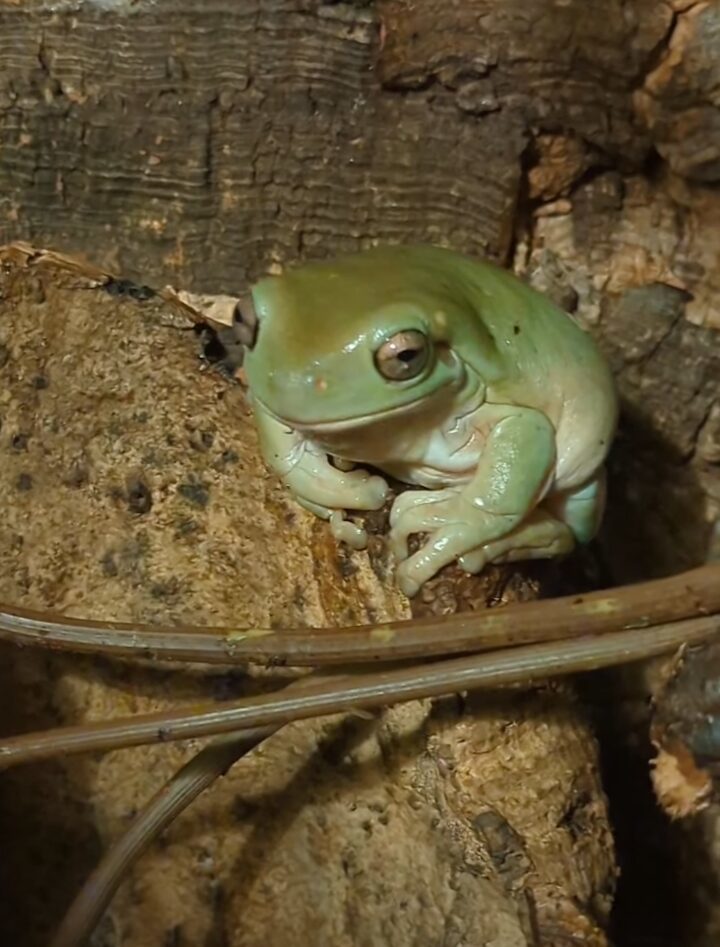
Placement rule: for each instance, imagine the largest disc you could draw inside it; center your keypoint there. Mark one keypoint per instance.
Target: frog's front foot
(354, 490)
(460, 531)
(455, 526)
(416, 511)
(343, 530)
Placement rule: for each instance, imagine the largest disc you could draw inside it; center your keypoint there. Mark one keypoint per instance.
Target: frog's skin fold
(503, 420)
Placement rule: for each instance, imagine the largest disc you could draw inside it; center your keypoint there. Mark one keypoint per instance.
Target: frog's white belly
(425, 455)
(447, 452)
(445, 457)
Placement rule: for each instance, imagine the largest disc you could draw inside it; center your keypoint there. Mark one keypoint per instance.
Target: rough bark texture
(680, 98)
(131, 488)
(686, 776)
(209, 141)
(205, 145)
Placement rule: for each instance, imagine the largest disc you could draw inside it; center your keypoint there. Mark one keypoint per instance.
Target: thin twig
(696, 592)
(364, 691)
(193, 778)
(166, 805)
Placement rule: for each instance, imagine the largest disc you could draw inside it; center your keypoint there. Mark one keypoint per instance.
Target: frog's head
(340, 344)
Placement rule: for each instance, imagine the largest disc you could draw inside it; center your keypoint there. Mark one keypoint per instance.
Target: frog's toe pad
(347, 532)
(374, 492)
(473, 562)
(407, 585)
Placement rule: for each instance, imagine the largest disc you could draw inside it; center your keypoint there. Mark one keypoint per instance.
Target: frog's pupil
(402, 356)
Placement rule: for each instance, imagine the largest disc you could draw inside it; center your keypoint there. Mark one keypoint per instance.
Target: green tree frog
(445, 373)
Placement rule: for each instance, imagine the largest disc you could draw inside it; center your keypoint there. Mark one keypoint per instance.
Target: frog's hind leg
(581, 508)
(540, 536)
(552, 529)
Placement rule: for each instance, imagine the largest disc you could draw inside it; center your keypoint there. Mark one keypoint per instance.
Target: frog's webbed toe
(417, 511)
(446, 545)
(541, 536)
(410, 500)
(322, 486)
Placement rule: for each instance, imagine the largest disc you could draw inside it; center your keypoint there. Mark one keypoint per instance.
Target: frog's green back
(512, 321)
(329, 303)
(535, 340)
(317, 317)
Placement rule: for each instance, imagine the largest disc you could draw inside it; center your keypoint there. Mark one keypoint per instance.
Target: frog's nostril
(320, 383)
(245, 322)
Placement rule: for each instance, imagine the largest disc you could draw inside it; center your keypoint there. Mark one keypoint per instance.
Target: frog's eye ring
(245, 322)
(403, 356)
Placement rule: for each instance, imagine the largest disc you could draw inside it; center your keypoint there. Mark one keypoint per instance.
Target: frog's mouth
(450, 386)
(465, 381)
(353, 421)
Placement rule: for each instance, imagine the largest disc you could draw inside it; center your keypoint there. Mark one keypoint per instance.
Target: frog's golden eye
(245, 322)
(403, 356)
